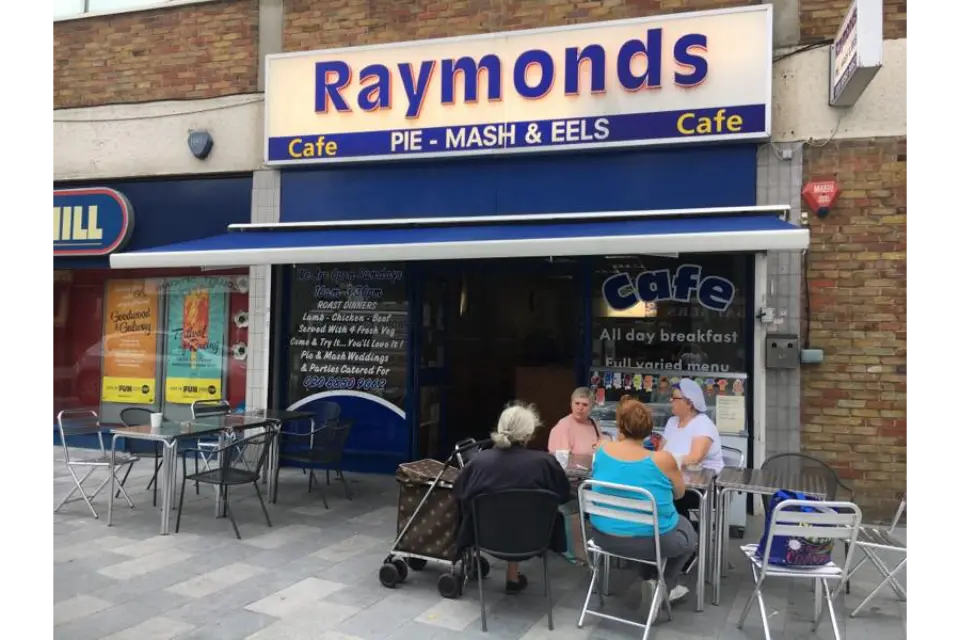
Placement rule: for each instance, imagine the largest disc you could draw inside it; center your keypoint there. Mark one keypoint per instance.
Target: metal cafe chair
(228, 475)
(72, 423)
(874, 540)
(834, 520)
(206, 446)
(631, 504)
(326, 445)
(514, 525)
(137, 417)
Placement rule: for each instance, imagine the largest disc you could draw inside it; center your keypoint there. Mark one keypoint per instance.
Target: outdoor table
(168, 435)
(759, 482)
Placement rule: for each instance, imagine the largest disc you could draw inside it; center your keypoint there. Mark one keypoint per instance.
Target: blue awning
(613, 234)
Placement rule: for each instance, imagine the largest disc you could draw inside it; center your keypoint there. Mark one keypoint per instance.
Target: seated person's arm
(668, 464)
(462, 490)
(559, 483)
(698, 450)
(559, 439)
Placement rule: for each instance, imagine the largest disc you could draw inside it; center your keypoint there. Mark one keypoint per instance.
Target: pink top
(576, 437)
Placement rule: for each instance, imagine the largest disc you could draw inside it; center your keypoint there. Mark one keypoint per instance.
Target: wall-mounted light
(200, 143)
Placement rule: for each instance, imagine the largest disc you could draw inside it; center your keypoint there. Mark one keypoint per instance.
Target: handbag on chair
(789, 551)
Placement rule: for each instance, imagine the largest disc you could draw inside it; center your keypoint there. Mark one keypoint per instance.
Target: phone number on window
(332, 382)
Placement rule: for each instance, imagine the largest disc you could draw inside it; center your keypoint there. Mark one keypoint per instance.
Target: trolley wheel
(417, 564)
(389, 575)
(401, 568)
(484, 569)
(449, 586)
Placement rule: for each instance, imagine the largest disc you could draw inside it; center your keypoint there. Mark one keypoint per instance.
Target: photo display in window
(348, 331)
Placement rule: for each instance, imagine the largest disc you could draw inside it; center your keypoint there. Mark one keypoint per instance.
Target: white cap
(692, 392)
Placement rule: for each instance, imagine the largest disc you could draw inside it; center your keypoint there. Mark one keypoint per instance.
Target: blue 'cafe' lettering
(376, 80)
(713, 292)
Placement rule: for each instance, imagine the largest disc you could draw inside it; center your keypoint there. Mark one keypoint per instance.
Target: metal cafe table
(758, 482)
(170, 433)
(701, 481)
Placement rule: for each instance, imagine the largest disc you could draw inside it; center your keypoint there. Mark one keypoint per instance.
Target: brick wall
(820, 19)
(196, 51)
(335, 23)
(854, 404)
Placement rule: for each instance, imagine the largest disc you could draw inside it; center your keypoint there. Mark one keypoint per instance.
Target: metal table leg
(719, 539)
(702, 559)
(219, 509)
(169, 469)
(113, 478)
(273, 465)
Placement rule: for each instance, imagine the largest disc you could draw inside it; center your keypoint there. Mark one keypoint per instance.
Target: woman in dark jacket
(510, 465)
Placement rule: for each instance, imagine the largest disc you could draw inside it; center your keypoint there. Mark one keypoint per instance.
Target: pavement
(314, 575)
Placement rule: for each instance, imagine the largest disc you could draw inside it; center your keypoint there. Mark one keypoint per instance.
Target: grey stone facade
(264, 208)
(779, 181)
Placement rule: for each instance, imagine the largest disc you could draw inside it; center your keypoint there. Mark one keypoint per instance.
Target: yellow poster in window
(130, 342)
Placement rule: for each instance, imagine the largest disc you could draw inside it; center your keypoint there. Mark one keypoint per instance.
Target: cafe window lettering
(153, 340)
(348, 332)
(659, 319)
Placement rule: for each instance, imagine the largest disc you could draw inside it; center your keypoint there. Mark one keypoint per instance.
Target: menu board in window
(348, 331)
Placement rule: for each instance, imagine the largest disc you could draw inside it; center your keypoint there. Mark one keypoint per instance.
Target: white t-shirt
(678, 441)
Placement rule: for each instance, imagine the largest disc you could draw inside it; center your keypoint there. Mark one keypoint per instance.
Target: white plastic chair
(835, 520)
(639, 509)
(72, 423)
(873, 540)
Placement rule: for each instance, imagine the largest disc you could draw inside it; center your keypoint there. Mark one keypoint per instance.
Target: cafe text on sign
(664, 80)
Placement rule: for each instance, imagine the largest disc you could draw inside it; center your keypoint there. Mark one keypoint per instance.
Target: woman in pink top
(576, 433)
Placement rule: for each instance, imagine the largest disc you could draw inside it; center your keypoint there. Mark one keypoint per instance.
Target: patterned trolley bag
(789, 551)
(433, 533)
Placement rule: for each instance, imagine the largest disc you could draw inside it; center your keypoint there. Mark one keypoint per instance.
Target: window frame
(149, 5)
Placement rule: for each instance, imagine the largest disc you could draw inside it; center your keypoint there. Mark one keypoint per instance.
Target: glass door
(433, 375)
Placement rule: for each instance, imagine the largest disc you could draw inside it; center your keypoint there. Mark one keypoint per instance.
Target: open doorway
(512, 331)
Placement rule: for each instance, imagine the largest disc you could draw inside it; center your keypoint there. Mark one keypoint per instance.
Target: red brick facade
(195, 51)
(820, 19)
(855, 403)
(336, 23)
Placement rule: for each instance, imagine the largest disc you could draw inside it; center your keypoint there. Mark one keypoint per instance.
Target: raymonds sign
(90, 222)
(693, 77)
(686, 283)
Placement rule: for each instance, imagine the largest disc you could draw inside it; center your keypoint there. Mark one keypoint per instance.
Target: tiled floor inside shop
(314, 575)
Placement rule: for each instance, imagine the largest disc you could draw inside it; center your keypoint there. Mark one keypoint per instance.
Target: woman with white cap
(690, 435)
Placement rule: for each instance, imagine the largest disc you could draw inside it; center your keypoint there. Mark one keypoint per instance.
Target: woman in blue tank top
(628, 462)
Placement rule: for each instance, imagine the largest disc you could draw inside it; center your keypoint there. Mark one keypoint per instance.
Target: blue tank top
(636, 473)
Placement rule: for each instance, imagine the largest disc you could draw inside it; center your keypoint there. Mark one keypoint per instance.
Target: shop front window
(658, 319)
(158, 340)
(346, 344)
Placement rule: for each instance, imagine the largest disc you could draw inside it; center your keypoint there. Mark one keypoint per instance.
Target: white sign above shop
(856, 53)
(683, 78)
